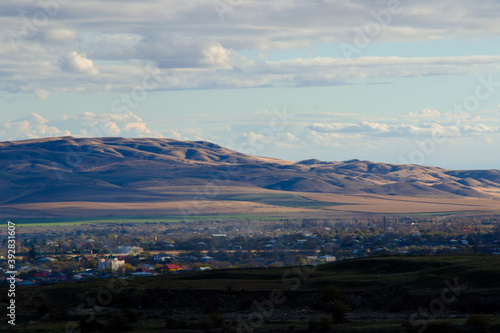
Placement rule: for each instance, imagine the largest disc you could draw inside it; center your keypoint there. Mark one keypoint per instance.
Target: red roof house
(171, 268)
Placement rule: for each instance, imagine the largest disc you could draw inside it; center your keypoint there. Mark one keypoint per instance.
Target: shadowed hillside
(366, 295)
(140, 170)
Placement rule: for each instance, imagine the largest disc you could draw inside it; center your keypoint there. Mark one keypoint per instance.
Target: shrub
(480, 322)
(443, 327)
(338, 310)
(322, 325)
(332, 293)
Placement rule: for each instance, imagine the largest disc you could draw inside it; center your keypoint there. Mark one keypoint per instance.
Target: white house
(327, 258)
(160, 257)
(126, 250)
(110, 263)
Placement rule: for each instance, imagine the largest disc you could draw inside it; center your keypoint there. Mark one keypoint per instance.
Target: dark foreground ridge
(381, 294)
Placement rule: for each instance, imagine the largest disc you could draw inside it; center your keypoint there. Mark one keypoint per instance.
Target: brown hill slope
(139, 170)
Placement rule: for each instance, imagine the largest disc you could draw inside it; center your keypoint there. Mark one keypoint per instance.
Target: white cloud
(58, 35)
(192, 48)
(216, 56)
(426, 114)
(42, 94)
(426, 123)
(78, 63)
(136, 129)
(84, 124)
(33, 126)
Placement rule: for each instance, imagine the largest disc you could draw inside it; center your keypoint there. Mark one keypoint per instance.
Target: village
(81, 253)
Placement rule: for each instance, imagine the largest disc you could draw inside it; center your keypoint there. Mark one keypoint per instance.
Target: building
(327, 258)
(203, 269)
(171, 268)
(46, 259)
(110, 263)
(134, 250)
(161, 257)
(42, 274)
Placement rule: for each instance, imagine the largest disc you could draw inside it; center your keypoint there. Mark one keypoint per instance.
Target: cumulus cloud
(420, 129)
(216, 56)
(426, 114)
(78, 63)
(32, 126)
(86, 124)
(106, 124)
(364, 126)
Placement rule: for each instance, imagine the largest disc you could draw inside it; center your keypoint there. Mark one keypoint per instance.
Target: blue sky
(391, 81)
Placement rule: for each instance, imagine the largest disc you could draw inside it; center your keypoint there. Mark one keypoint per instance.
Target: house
(273, 263)
(206, 258)
(171, 268)
(161, 257)
(24, 269)
(42, 274)
(142, 270)
(60, 277)
(142, 274)
(203, 269)
(46, 259)
(110, 263)
(327, 258)
(134, 250)
(26, 283)
(82, 258)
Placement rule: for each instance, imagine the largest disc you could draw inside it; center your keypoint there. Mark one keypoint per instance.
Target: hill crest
(123, 170)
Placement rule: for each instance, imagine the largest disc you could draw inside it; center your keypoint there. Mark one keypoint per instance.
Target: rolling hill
(121, 170)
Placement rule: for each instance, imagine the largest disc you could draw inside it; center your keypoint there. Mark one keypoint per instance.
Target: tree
(32, 254)
(333, 300)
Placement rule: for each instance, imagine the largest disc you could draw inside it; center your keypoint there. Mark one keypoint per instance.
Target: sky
(395, 81)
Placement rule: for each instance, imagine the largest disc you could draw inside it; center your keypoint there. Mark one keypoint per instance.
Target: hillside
(118, 170)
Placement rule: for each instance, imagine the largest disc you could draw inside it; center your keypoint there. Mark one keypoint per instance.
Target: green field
(137, 219)
(284, 200)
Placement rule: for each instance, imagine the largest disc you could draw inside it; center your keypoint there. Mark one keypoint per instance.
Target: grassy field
(253, 202)
(376, 295)
(383, 204)
(49, 222)
(270, 204)
(285, 200)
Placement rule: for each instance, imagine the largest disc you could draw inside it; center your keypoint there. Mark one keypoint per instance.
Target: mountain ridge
(121, 169)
